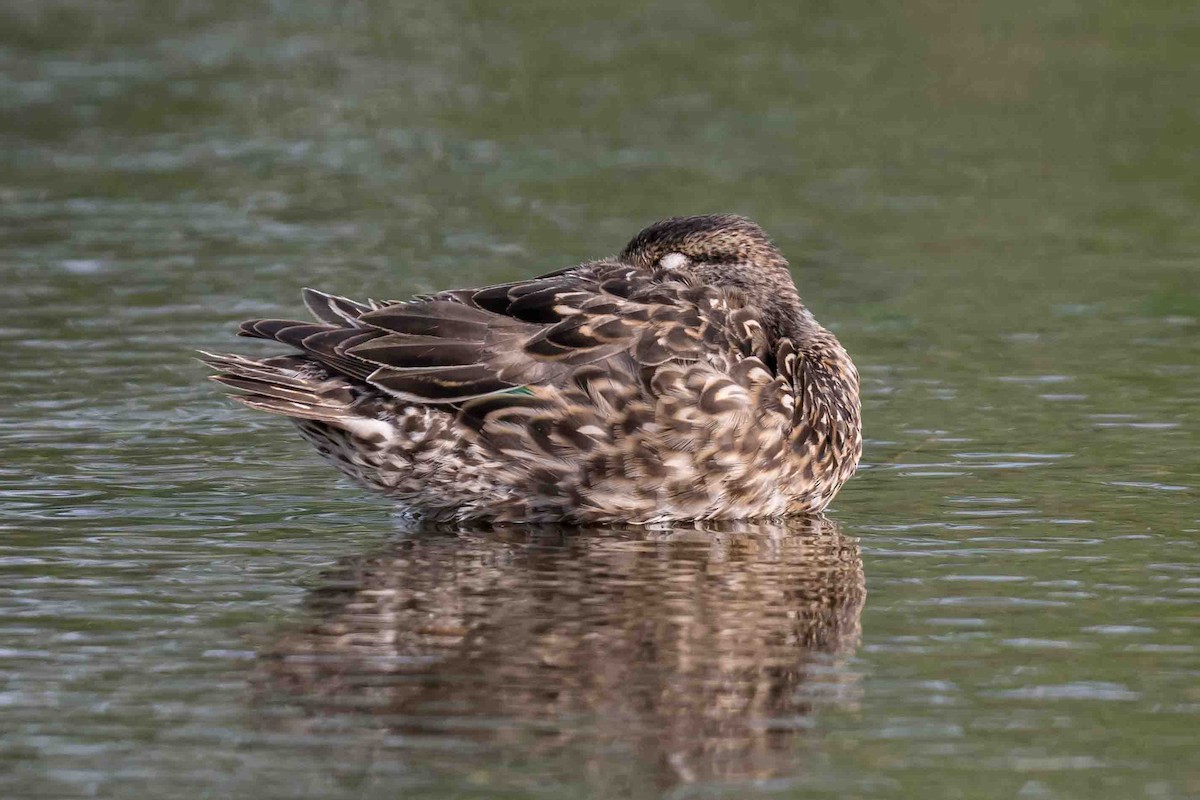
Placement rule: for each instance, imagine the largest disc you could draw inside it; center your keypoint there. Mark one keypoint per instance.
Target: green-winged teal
(683, 379)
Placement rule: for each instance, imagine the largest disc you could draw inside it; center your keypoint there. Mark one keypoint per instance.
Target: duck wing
(459, 345)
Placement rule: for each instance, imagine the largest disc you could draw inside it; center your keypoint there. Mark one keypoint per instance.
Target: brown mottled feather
(682, 380)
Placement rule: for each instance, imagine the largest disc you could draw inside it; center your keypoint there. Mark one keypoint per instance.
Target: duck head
(725, 251)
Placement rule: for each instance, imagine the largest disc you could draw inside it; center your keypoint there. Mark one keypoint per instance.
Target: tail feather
(277, 391)
(243, 367)
(273, 405)
(289, 385)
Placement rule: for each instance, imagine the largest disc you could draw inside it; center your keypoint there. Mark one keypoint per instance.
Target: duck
(681, 380)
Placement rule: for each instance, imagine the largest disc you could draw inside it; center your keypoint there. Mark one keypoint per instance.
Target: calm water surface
(993, 204)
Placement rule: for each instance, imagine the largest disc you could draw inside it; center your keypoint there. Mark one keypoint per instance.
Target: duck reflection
(705, 650)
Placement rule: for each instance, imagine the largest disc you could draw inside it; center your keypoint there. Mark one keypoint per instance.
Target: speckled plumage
(683, 379)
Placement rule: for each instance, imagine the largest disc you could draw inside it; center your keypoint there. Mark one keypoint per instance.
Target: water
(993, 204)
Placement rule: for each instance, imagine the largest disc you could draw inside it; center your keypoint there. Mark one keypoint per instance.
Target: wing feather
(460, 346)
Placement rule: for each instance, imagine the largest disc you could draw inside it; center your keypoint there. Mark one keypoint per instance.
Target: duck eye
(673, 261)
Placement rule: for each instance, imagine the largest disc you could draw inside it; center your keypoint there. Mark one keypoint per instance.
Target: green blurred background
(993, 204)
